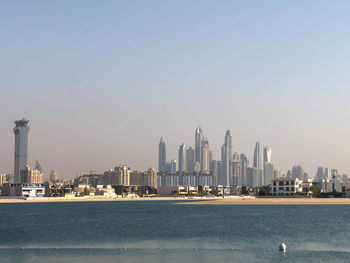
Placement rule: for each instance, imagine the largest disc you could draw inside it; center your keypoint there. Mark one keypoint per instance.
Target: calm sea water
(163, 231)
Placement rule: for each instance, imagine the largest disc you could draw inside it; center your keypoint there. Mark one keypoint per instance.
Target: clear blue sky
(101, 81)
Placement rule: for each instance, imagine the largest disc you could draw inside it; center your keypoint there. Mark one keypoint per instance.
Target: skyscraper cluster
(190, 160)
(327, 174)
(232, 170)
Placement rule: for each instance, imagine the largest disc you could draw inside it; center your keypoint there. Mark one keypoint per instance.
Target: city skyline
(175, 164)
(234, 168)
(102, 89)
(232, 171)
(169, 131)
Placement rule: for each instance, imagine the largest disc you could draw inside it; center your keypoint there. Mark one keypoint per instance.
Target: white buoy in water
(282, 247)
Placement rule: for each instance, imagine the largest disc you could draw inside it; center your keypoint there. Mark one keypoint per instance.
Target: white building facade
(286, 186)
(24, 190)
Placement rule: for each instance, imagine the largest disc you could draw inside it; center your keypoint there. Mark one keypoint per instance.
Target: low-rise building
(167, 190)
(307, 186)
(187, 190)
(24, 190)
(181, 190)
(88, 179)
(84, 190)
(347, 193)
(286, 186)
(106, 191)
(224, 190)
(58, 189)
(139, 190)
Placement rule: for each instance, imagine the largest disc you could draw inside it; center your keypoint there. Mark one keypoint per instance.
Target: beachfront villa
(286, 186)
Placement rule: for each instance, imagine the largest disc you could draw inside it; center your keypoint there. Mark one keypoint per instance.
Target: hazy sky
(101, 81)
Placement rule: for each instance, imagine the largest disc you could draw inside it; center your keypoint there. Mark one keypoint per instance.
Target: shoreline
(275, 201)
(94, 199)
(192, 201)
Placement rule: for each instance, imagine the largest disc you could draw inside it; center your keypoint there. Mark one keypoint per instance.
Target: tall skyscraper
(214, 171)
(243, 175)
(21, 148)
(226, 159)
(327, 174)
(334, 173)
(277, 173)
(182, 158)
(197, 167)
(190, 160)
(198, 144)
(268, 173)
(248, 181)
(205, 158)
(219, 178)
(267, 154)
(268, 166)
(236, 169)
(173, 166)
(252, 177)
(257, 157)
(344, 179)
(210, 156)
(319, 174)
(161, 155)
(257, 163)
(38, 166)
(53, 177)
(298, 172)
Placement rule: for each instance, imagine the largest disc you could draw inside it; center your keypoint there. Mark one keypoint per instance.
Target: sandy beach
(195, 200)
(274, 201)
(89, 199)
